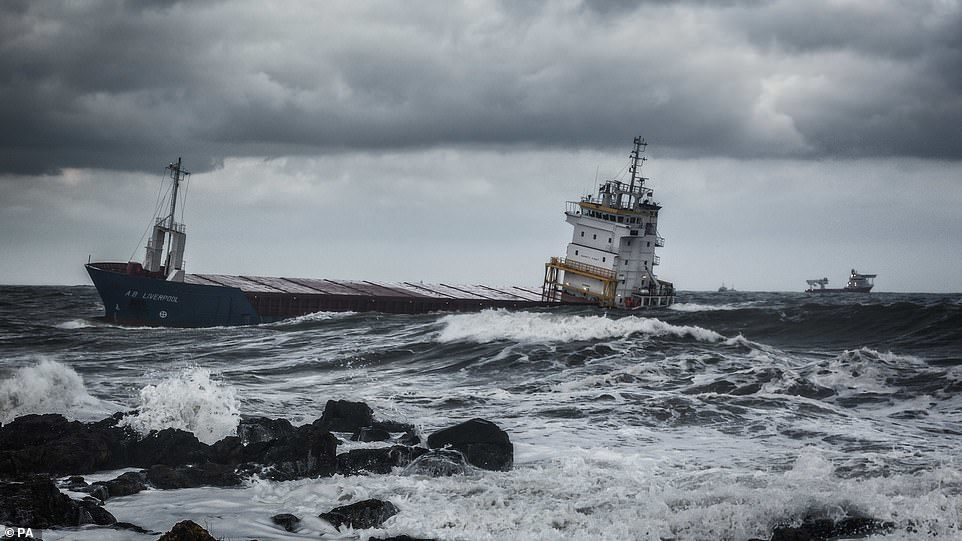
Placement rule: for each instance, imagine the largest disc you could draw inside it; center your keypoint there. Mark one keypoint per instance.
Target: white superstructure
(611, 256)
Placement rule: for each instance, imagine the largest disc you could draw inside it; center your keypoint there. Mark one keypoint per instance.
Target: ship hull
(840, 290)
(132, 299)
(142, 300)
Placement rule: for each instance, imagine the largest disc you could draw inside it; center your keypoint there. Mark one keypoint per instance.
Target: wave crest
(49, 387)
(189, 400)
(493, 325)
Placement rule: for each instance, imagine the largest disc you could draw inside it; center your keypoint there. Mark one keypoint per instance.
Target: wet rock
(287, 521)
(187, 530)
(38, 503)
(482, 443)
(393, 426)
(409, 438)
(371, 433)
(169, 446)
(438, 463)
(361, 515)
(256, 429)
(822, 529)
(50, 444)
(213, 475)
(345, 416)
(401, 538)
(74, 482)
(97, 490)
(125, 484)
(381, 460)
(126, 526)
(309, 452)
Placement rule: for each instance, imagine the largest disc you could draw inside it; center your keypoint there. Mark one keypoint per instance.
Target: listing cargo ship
(857, 283)
(612, 268)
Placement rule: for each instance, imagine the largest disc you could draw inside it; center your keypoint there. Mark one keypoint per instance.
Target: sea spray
(49, 387)
(493, 325)
(189, 400)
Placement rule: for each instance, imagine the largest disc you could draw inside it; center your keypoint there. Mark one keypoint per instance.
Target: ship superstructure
(611, 257)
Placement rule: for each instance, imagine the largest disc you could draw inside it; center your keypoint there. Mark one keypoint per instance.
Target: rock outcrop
(482, 443)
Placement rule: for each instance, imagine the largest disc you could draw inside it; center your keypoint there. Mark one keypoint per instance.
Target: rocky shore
(41, 455)
(36, 451)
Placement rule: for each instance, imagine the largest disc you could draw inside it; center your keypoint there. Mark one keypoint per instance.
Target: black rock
(482, 443)
(131, 527)
(50, 444)
(409, 438)
(125, 484)
(821, 529)
(370, 433)
(401, 538)
(438, 463)
(187, 530)
(169, 446)
(256, 429)
(39, 504)
(361, 515)
(393, 426)
(309, 452)
(287, 521)
(74, 482)
(97, 490)
(380, 460)
(345, 416)
(214, 475)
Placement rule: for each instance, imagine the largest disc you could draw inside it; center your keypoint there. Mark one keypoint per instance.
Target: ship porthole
(163, 314)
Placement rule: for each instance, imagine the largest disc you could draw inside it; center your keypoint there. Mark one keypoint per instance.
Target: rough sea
(718, 418)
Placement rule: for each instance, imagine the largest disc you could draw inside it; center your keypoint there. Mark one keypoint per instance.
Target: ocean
(718, 418)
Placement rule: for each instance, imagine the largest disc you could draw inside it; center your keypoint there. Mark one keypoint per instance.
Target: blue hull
(143, 300)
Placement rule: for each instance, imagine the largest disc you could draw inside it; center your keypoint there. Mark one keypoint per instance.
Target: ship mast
(172, 266)
(177, 173)
(635, 158)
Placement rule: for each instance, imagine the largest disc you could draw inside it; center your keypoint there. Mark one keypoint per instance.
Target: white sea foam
(49, 387)
(189, 400)
(494, 325)
(694, 307)
(75, 324)
(315, 316)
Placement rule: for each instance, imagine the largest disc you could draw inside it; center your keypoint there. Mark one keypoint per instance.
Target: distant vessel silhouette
(857, 283)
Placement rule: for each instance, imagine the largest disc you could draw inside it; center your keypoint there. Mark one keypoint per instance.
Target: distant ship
(857, 283)
(608, 263)
(725, 289)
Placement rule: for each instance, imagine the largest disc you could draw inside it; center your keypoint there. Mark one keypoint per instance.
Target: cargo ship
(857, 283)
(612, 269)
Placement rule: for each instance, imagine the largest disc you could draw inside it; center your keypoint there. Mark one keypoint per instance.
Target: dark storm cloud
(119, 84)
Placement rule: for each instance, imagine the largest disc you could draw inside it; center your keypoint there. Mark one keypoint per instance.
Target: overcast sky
(438, 141)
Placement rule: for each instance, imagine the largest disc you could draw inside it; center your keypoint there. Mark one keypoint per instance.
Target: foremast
(611, 257)
(170, 265)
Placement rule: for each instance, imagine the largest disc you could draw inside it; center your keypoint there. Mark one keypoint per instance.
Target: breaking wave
(49, 387)
(189, 400)
(494, 325)
(695, 307)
